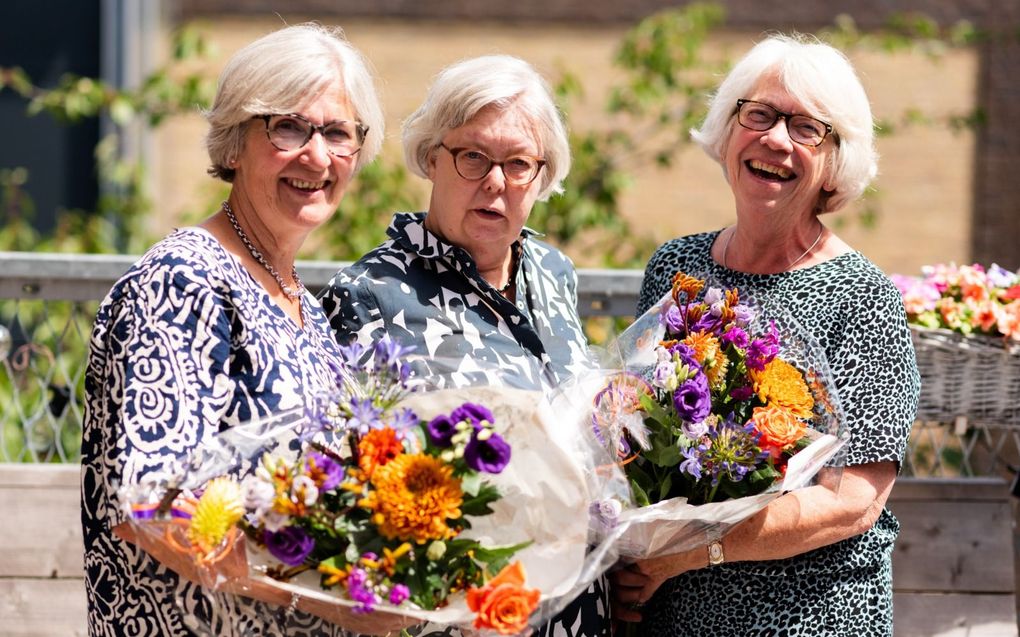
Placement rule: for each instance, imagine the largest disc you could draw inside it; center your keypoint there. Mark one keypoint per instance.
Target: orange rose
(503, 604)
(779, 428)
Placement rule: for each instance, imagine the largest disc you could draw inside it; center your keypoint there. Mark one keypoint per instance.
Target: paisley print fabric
(421, 291)
(844, 589)
(186, 344)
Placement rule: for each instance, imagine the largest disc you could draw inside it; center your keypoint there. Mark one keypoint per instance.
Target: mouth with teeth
(769, 172)
(306, 186)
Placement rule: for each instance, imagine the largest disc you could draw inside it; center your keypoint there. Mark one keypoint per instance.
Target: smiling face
(485, 216)
(292, 192)
(769, 171)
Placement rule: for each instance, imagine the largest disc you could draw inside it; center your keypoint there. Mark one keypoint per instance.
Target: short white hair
(824, 81)
(280, 73)
(504, 82)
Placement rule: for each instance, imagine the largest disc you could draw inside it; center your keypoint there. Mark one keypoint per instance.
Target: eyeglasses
(803, 129)
(291, 132)
(473, 165)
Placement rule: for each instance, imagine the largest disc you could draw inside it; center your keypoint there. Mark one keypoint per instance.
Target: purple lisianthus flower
(694, 430)
(672, 320)
(490, 455)
(472, 413)
(707, 323)
(291, 544)
(686, 355)
(691, 464)
(399, 594)
(332, 472)
(692, 399)
(441, 430)
(364, 415)
(735, 336)
(744, 315)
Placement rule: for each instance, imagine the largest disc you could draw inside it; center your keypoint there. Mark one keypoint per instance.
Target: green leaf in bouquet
(479, 504)
(665, 487)
(498, 554)
(640, 496)
(664, 452)
(656, 412)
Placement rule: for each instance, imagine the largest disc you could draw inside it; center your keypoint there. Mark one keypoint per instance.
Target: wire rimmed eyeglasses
(473, 164)
(292, 131)
(761, 117)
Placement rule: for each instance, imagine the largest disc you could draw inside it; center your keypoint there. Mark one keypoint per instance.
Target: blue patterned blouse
(186, 344)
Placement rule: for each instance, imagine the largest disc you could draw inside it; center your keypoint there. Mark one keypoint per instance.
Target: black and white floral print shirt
(422, 291)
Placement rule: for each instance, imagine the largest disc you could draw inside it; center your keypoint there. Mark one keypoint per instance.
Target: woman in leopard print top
(792, 129)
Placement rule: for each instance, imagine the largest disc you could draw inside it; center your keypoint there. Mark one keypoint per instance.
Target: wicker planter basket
(974, 377)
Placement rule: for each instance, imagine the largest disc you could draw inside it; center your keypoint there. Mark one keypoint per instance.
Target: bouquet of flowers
(376, 508)
(969, 299)
(716, 412)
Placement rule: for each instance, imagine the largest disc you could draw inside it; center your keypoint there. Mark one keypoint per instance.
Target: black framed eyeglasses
(803, 129)
(292, 131)
(472, 164)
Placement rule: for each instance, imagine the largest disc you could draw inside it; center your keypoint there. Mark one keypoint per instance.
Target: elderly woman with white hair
(792, 129)
(466, 283)
(212, 327)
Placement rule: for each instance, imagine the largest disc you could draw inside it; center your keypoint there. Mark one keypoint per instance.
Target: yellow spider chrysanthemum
(781, 384)
(217, 511)
(414, 496)
(708, 352)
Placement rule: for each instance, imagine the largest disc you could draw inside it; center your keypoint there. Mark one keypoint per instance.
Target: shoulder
(551, 259)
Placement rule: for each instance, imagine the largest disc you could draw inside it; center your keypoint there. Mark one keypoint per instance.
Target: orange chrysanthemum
(779, 428)
(685, 284)
(376, 449)
(781, 384)
(414, 497)
(708, 352)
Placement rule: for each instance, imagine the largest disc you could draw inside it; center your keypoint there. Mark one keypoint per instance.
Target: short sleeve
(877, 377)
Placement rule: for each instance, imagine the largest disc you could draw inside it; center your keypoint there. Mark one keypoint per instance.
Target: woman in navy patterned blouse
(478, 296)
(212, 327)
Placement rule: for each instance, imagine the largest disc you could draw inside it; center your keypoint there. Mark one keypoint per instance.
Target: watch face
(715, 553)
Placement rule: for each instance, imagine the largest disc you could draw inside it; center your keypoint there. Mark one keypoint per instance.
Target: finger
(630, 578)
(626, 613)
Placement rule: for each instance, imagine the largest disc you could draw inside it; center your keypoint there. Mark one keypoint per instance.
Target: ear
(430, 164)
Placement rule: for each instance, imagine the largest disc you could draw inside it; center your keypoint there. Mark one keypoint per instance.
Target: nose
(315, 154)
(778, 137)
(495, 179)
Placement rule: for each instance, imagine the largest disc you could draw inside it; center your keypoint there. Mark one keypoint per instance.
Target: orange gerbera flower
(781, 384)
(376, 449)
(779, 428)
(414, 496)
(708, 352)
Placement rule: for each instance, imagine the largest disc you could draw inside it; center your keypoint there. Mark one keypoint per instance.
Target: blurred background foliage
(665, 76)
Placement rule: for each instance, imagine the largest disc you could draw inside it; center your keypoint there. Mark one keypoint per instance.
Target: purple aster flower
(399, 594)
(692, 399)
(692, 461)
(735, 336)
(441, 430)
(291, 544)
(490, 455)
(331, 471)
(364, 415)
(360, 591)
(472, 413)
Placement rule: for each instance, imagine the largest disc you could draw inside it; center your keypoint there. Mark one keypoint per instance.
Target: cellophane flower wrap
(719, 405)
(968, 299)
(464, 506)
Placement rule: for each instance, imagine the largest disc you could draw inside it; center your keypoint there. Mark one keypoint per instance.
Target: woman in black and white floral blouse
(481, 299)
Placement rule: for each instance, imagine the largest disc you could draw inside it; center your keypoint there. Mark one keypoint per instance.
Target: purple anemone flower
(490, 455)
(291, 545)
